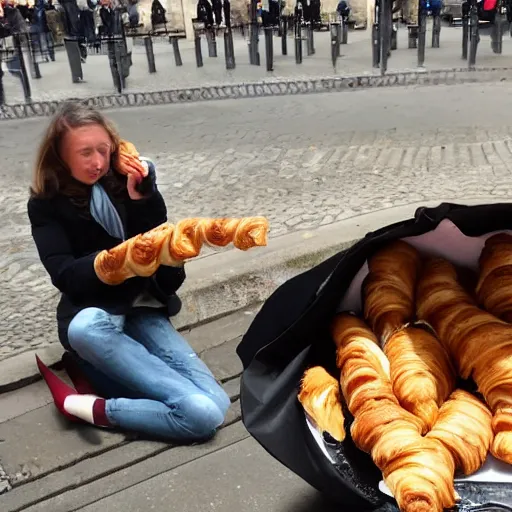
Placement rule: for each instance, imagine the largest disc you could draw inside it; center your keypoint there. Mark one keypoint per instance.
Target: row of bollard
(229, 51)
(116, 54)
(254, 57)
(383, 40)
(470, 31)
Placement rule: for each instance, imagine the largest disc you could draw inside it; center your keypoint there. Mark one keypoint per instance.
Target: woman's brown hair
(51, 174)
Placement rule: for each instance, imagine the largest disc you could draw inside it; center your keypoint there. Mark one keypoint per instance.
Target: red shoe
(58, 388)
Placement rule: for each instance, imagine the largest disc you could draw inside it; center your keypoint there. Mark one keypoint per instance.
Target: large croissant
(480, 344)
(320, 397)
(464, 428)
(494, 288)
(171, 245)
(418, 470)
(389, 287)
(421, 372)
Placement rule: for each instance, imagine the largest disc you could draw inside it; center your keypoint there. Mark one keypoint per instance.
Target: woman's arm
(145, 214)
(74, 277)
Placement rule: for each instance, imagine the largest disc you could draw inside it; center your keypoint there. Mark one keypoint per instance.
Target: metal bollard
(309, 31)
(422, 36)
(269, 48)
(25, 84)
(339, 32)
(148, 43)
(176, 50)
(312, 35)
(74, 58)
(385, 23)
(229, 52)
(116, 65)
(212, 43)
(394, 38)
(2, 93)
(436, 31)
(412, 37)
(34, 65)
(335, 42)
(497, 33)
(375, 45)
(344, 32)
(465, 35)
(284, 33)
(197, 46)
(298, 43)
(474, 36)
(254, 54)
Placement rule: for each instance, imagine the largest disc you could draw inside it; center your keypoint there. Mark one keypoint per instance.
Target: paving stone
(234, 413)
(223, 360)
(232, 388)
(211, 334)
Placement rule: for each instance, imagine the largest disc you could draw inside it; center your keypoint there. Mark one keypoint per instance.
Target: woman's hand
(128, 161)
(131, 184)
(128, 164)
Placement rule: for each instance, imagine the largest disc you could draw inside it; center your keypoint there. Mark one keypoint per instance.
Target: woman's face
(86, 151)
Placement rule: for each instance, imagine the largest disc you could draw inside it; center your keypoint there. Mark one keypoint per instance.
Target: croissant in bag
(383, 375)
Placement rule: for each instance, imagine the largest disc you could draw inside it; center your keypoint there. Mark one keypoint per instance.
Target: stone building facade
(181, 12)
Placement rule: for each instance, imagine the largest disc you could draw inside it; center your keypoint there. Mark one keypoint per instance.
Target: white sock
(81, 406)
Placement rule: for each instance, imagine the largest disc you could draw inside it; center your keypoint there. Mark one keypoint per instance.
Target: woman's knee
(85, 325)
(199, 415)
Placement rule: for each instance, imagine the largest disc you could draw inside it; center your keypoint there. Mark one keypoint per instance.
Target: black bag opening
(290, 333)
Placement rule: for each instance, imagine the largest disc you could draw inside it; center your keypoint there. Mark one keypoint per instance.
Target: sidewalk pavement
(356, 60)
(52, 465)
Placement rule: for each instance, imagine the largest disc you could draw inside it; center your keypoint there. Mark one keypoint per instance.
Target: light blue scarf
(105, 213)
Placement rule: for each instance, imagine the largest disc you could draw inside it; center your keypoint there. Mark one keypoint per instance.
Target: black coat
(68, 241)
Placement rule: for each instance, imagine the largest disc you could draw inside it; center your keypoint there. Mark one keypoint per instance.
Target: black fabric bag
(290, 333)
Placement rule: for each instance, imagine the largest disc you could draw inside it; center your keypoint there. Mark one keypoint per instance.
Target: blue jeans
(153, 380)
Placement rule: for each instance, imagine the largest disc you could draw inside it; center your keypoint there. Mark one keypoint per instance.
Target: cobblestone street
(301, 161)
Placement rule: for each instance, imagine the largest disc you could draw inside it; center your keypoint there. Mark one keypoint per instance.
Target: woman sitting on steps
(150, 380)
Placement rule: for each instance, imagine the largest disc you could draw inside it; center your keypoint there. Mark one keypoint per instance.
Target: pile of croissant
(426, 327)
